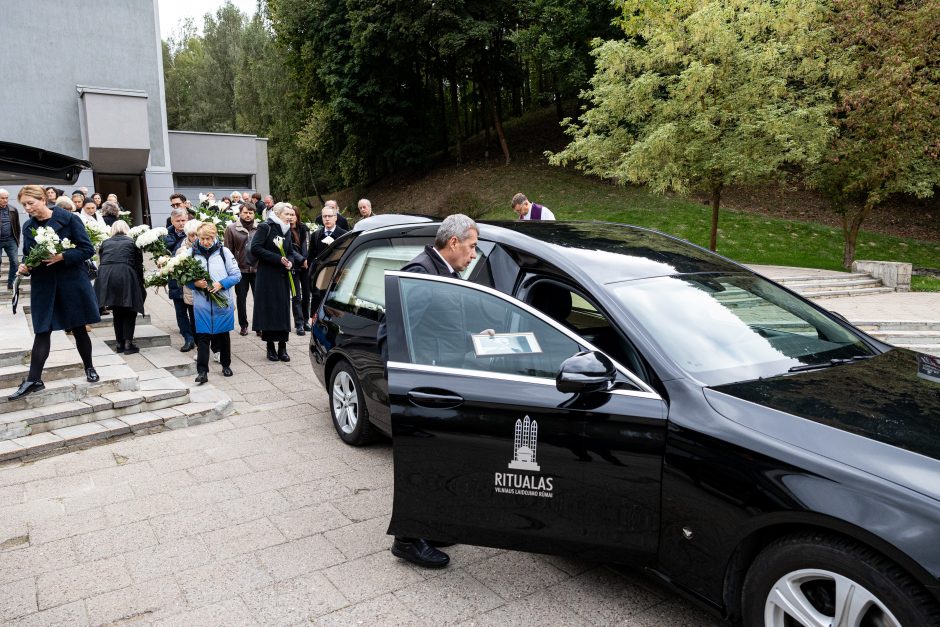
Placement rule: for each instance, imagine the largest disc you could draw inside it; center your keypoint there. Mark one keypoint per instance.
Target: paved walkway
(265, 517)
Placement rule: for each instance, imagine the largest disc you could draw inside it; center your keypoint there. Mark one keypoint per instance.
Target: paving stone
(105, 543)
(97, 497)
(674, 612)
(136, 509)
(168, 412)
(78, 582)
(537, 609)
(220, 470)
(254, 506)
(66, 526)
(307, 521)
(314, 492)
(152, 397)
(366, 504)
(10, 449)
(602, 597)
(114, 426)
(221, 580)
(97, 403)
(243, 538)
(17, 598)
(71, 614)
(165, 559)
(453, 597)
(372, 575)
(516, 575)
(362, 538)
(385, 610)
(229, 613)
(294, 602)
(299, 557)
(144, 602)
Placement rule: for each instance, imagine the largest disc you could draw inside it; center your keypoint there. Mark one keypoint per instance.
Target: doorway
(130, 193)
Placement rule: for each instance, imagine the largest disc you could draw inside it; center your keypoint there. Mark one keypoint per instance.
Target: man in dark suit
(9, 234)
(455, 246)
(341, 220)
(321, 239)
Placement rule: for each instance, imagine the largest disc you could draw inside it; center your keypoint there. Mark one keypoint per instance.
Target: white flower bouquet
(137, 230)
(279, 242)
(151, 241)
(96, 233)
(47, 245)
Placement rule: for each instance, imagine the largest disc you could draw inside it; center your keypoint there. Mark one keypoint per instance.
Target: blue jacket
(223, 267)
(62, 296)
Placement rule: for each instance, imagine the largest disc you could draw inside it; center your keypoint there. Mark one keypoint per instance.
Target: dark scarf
(207, 252)
(247, 225)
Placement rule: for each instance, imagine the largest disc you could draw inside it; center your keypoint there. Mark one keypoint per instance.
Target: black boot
(272, 354)
(202, 377)
(120, 347)
(130, 348)
(282, 351)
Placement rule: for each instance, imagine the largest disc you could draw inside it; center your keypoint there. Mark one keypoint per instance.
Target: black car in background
(613, 393)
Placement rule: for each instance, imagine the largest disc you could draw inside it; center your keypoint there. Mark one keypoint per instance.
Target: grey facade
(86, 79)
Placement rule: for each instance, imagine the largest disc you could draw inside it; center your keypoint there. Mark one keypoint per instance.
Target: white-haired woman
(120, 284)
(272, 310)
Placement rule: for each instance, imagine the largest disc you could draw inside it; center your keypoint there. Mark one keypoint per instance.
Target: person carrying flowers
(55, 248)
(213, 300)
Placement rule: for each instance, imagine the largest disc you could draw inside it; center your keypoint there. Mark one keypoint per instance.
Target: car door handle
(434, 399)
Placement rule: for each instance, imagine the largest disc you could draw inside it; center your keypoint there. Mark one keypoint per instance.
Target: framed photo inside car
(486, 345)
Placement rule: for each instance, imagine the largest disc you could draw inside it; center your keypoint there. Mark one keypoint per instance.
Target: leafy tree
(887, 109)
(706, 94)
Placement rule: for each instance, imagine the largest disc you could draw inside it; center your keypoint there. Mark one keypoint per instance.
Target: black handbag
(92, 269)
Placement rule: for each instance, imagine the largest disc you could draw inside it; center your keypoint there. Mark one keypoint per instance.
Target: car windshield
(724, 328)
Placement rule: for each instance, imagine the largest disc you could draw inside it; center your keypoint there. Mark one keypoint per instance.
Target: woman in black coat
(272, 288)
(62, 296)
(120, 284)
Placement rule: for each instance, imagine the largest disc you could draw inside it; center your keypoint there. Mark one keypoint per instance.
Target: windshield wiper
(829, 364)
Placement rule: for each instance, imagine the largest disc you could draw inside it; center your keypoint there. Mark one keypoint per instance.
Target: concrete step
(118, 378)
(827, 286)
(847, 293)
(171, 359)
(145, 336)
(897, 325)
(108, 321)
(844, 276)
(162, 393)
(101, 431)
(905, 338)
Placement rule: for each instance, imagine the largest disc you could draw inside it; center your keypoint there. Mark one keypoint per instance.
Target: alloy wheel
(345, 402)
(821, 598)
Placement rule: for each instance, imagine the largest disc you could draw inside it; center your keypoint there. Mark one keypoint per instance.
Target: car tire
(347, 407)
(797, 580)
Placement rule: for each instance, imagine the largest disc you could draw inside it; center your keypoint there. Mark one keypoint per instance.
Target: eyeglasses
(176, 204)
(330, 216)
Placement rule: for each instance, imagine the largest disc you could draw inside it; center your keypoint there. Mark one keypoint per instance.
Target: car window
(327, 266)
(360, 283)
(579, 314)
(445, 325)
(724, 328)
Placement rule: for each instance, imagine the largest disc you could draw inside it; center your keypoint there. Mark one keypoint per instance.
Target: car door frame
(401, 371)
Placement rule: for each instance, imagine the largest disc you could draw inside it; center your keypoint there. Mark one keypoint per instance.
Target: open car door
(489, 451)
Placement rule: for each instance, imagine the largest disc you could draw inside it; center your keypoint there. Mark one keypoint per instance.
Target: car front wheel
(350, 416)
(820, 580)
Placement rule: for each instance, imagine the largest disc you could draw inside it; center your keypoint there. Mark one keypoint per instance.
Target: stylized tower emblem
(524, 444)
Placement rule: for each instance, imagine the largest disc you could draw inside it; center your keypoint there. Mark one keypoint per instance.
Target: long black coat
(62, 296)
(272, 289)
(120, 274)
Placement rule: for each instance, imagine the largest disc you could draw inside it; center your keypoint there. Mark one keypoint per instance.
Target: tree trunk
(497, 122)
(851, 225)
(445, 140)
(556, 95)
(716, 202)
(455, 110)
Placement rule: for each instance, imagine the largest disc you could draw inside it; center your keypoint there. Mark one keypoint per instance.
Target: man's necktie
(327, 233)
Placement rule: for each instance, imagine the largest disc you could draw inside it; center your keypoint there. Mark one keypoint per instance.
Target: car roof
(604, 251)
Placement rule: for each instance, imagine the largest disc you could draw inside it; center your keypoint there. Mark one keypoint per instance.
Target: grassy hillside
(484, 186)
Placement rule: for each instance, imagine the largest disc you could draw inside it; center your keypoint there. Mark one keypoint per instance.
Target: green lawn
(744, 237)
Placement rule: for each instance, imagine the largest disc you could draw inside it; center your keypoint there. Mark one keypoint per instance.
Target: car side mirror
(588, 371)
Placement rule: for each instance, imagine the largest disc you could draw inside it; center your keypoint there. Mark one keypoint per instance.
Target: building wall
(52, 46)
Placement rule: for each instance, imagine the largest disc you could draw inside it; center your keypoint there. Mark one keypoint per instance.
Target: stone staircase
(923, 337)
(844, 284)
(72, 413)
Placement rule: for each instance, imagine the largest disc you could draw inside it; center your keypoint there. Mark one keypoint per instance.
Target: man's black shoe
(187, 346)
(131, 349)
(119, 348)
(202, 377)
(91, 375)
(26, 387)
(306, 327)
(244, 331)
(300, 331)
(418, 551)
(226, 371)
